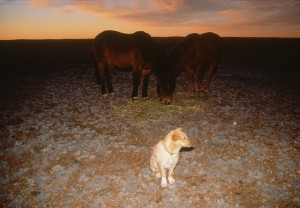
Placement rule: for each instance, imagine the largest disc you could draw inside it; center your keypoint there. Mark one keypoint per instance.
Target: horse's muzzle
(166, 100)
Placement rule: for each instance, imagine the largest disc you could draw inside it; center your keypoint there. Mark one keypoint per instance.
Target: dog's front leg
(170, 174)
(164, 182)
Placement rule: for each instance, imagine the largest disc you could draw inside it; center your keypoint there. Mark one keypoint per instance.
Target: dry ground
(63, 145)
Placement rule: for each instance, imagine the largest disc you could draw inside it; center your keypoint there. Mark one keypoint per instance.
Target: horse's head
(162, 68)
(175, 57)
(165, 93)
(164, 85)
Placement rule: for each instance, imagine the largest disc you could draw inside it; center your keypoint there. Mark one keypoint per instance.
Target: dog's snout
(189, 143)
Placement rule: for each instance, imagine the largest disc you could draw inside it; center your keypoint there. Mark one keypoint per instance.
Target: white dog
(166, 154)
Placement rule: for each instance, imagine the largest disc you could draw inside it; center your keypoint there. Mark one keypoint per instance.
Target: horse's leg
(136, 83)
(210, 72)
(108, 75)
(173, 78)
(145, 82)
(200, 74)
(98, 81)
(190, 72)
(101, 76)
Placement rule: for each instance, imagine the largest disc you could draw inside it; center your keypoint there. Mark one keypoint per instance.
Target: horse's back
(211, 40)
(197, 49)
(112, 41)
(210, 37)
(187, 52)
(213, 45)
(117, 42)
(207, 46)
(115, 38)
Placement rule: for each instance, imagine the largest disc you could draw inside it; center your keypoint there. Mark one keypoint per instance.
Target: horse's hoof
(192, 92)
(201, 95)
(145, 98)
(136, 98)
(105, 95)
(112, 94)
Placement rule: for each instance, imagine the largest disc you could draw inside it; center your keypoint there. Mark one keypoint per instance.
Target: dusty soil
(63, 145)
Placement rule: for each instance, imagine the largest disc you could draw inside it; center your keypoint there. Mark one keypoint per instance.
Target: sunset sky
(73, 19)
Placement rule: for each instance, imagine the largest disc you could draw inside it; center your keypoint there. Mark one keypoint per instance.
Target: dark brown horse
(194, 54)
(137, 51)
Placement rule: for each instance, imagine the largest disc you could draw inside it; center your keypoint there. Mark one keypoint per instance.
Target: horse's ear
(178, 129)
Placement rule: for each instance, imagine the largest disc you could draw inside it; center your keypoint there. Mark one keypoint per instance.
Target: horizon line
(40, 39)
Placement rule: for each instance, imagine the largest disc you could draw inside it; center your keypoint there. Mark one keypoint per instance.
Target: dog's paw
(164, 182)
(171, 180)
(157, 175)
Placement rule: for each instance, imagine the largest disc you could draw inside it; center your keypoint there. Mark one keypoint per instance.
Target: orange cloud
(170, 15)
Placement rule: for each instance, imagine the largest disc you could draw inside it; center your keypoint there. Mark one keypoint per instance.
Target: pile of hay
(152, 111)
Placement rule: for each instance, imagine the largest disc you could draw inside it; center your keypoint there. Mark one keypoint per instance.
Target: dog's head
(180, 138)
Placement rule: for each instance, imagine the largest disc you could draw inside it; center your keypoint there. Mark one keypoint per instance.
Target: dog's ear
(176, 136)
(178, 129)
